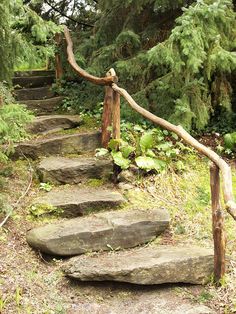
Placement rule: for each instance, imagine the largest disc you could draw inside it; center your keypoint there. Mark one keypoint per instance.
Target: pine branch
(66, 16)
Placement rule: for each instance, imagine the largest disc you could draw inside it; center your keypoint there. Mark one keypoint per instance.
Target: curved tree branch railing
(187, 138)
(71, 58)
(111, 116)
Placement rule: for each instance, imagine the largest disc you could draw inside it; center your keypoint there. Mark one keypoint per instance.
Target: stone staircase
(114, 238)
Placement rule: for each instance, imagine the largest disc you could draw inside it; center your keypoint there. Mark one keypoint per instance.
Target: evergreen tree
(6, 58)
(175, 57)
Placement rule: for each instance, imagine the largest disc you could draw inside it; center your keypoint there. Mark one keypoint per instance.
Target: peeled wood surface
(71, 58)
(107, 116)
(59, 68)
(224, 167)
(116, 115)
(217, 224)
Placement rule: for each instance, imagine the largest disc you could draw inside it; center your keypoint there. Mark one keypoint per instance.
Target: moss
(95, 183)
(38, 210)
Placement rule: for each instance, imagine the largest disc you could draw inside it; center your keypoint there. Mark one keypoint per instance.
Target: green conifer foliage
(13, 119)
(6, 59)
(175, 57)
(198, 55)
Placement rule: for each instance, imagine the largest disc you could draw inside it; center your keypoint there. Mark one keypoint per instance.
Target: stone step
(32, 81)
(44, 106)
(76, 201)
(145, 266)
(77, 143)
(62, 170)
(53, 123)
(34, 73)
(102, 231)
(33, 93)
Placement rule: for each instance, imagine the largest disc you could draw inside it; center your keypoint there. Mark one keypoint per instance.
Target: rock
(76, 201)
(33, 93)
(44, 106)
(45, 124)
(126, 176)
(61, 170)
(33, 81)
(125, 186)
(62, 144)
(103, 231)
(145, 266)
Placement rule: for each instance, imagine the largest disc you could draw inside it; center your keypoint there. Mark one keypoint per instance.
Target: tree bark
(116, 115)
(217, 225)
(59, 68)
(107, 116)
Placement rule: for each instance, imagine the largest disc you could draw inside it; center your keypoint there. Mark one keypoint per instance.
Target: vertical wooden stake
(217, 225)
(116, 115)
(107, 116)
(58, 66)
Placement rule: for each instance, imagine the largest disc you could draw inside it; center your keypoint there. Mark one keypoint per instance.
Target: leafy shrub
(149, 149)
(13, 120)
(230, 141)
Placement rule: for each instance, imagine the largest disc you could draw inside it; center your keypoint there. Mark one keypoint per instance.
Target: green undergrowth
(186, 196)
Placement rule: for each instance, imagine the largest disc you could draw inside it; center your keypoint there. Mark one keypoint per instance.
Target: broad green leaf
(164, 146)
(148, 163)
(229, 142)
(138, 128)
(146, 141)
(126, 150)
(120, 160)
(150, 153)
(175, 136)
(114, 144)
(101, 152)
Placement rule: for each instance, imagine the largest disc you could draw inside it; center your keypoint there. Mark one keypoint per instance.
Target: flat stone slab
(145, 266)
(44, 106)
(62, 170)
(77, 201)
(102, 231)
(33, 93)
(33, 81)
(63, 144)
(48, 124)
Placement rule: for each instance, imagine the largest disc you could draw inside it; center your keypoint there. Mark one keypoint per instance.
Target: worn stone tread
(44, 106)
(145, 266)
(59, 144)
(76, 201)
(102, 231)
(34, 73)
(62, 170)
(37, 93)
(50, 123)
(33, 81)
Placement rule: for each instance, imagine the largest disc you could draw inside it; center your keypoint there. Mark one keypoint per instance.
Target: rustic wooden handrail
(108, 80)
(187, 138)
(111, 117)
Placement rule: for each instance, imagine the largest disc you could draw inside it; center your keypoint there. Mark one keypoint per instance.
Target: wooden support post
(116, 115)
(217, 224)
(58, 66)
(107, 116)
